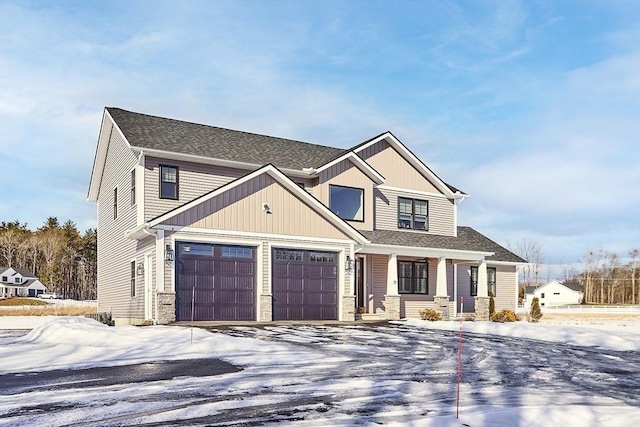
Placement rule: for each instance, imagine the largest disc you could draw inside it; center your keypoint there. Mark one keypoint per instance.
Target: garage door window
(193, 249)
(322, 257)
(288, 255)
(236, 252)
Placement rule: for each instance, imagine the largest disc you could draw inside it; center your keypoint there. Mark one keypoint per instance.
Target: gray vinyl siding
(115, 252)
(194, 180)
(441, 211)
(505, 287)
(379, 280)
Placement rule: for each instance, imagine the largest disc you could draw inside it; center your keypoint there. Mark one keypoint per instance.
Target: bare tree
(10, 240)
(633, 265)
(530, 251)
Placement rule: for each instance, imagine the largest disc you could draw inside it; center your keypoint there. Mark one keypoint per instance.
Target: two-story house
(19, 282)
(218, 224)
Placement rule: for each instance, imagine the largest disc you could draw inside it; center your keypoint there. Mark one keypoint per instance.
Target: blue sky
(532, 108)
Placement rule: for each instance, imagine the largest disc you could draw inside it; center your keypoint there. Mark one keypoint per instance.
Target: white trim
(455, 288)
(416, 192)
(285, 182)
(160, 285)
(364, 167)
(148, 286)
(508, 263)
(135, 278)
(414, 161)
(382, 249)
(249, 234)
(140, 189)
(162, 154)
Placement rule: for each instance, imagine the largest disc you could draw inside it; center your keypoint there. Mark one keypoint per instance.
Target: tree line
(60, 256)
(606, 277)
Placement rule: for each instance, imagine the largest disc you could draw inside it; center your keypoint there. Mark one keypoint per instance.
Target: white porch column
(483, 290)
(391, 300)
(441, 278)
(160, 261)
(392, 275)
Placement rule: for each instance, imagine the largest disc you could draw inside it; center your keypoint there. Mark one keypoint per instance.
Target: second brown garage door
(305, 284)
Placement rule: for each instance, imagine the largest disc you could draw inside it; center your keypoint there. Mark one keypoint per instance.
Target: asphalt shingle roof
(468, 239)
(151, 132)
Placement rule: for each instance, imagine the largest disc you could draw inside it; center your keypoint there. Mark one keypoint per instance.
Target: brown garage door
(223, 278)
(305, 285)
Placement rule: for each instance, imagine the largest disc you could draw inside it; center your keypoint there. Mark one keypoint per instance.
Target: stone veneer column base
(348, 308)
(482, 309)
(442, 306)
(266, 308)
(392, 306)
(166, 306)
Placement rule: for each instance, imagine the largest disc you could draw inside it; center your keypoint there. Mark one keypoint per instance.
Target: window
(413, 213)
(236, 252)
(168, 182)
(115, 203)
(195, 249)
(491, 281)
(4, 278)
(542, 295)
(347, 202)
(133, 279)
(412, 277)
(18, 280)
(288, 255)
(556, 293)
(133, 187)
(329, 257)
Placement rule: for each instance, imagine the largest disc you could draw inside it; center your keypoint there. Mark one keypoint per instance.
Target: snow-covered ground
(563, 372)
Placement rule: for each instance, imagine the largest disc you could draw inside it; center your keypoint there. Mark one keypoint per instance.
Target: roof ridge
(225, 129)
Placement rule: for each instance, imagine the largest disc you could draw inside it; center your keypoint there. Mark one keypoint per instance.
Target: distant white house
(554, 293)
(18, 282)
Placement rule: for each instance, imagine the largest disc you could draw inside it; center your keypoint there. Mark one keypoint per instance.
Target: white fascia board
(414, 161)
(507, 263)
(358, 162)
(234, 234)
(138, 232)
(101, 156)
(381, 249)
(151, 152)
(288, 184)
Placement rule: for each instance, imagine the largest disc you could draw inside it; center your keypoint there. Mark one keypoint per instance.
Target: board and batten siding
(241, 209)
(194, 180)
(396, 170)
(441, 211)
(115, 252)
(345, 173)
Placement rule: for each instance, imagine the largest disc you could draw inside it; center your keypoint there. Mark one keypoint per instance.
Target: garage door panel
(225, 286)
(307, 288)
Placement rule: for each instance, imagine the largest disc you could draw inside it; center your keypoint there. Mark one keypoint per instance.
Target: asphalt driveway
(366, 374)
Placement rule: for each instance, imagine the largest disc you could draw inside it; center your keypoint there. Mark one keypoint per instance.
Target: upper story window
(133, 187)
(347, 202)
(18, 280)
(115, 203)
(413, 277)
(413, 213)
(168, 182)
(4, 278)
(491, 281)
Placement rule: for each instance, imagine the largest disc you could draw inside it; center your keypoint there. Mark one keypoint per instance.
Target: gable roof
(468, 239)
(277, 175)
(574, 286)
(157, 133)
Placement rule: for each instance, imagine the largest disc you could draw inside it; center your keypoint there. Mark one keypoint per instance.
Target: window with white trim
(347, 202)
(413, 213)
(115, 203)
(133, 187)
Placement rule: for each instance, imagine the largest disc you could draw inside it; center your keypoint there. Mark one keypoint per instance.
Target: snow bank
(64, 342)
(606, 337)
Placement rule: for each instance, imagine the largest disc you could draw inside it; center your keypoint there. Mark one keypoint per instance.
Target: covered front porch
(393, 282)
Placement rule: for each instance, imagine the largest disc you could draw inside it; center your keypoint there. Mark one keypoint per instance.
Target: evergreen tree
(535, 313)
